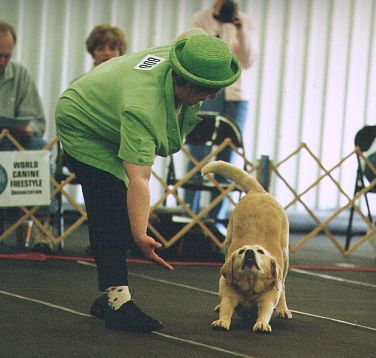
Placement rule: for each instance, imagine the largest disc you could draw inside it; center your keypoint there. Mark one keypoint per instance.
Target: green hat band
(205, 60)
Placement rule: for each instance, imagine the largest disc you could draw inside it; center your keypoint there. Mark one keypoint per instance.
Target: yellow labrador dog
(256, 253)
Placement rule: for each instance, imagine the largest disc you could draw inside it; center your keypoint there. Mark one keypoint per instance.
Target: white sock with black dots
(117, 296)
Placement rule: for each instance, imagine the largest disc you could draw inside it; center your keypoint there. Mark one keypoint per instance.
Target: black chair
(364, 139)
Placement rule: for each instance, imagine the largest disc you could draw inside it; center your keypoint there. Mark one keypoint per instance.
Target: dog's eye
(260, 251)
(241, 251)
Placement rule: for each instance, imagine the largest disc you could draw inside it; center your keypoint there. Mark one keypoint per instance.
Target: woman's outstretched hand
(147, 245)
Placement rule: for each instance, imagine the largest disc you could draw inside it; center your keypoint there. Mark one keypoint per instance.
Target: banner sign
(25, 178)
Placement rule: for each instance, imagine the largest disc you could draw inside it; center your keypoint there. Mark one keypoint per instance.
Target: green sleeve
(137, 145)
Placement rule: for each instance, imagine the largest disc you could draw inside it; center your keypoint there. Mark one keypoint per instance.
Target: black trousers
(110, 236)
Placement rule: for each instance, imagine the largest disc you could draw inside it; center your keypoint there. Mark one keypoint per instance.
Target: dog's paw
(283, 313)
(262, 327)
(220, 325)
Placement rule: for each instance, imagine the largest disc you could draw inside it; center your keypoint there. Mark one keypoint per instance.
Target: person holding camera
(224, 20)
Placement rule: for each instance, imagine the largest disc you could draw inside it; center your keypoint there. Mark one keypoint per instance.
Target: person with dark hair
(226, 21)
(112, 123)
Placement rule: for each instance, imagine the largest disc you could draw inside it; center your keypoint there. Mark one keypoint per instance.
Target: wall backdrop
(314, 79)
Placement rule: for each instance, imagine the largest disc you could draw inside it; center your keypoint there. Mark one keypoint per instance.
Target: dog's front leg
(226, 309)
(265, 311)
(281, 310)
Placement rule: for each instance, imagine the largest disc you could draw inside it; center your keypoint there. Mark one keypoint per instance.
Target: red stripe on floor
(36, 256)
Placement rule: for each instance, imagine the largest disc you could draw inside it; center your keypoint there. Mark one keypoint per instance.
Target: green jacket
(124, 110)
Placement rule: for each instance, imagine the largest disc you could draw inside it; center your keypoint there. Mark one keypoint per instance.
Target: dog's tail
(244, 180)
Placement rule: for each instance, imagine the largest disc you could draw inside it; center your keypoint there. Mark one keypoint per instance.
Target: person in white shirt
(226, 21)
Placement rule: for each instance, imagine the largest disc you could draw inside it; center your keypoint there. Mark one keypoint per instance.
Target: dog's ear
(227, 269)
(276, 271)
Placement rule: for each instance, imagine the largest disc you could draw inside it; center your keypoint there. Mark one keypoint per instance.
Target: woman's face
(104, 53)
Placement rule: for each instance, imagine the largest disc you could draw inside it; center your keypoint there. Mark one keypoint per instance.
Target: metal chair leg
(349, 229)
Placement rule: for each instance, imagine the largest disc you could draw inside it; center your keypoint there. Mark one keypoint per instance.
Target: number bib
(149, 62)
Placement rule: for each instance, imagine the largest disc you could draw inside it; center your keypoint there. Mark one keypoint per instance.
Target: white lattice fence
(28, 216)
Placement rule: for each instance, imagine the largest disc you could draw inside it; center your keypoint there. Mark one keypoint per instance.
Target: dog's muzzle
(250, 259)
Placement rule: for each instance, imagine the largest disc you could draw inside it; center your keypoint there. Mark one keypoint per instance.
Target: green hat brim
(203, 82)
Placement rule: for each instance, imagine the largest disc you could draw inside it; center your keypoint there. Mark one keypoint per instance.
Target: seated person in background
(19, 98)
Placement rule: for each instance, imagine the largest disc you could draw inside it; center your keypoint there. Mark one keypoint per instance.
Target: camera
(228, 11)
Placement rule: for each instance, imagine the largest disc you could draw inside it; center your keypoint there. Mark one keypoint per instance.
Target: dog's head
(251, 267)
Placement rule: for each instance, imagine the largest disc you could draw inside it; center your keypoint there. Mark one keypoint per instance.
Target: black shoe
(99, 306)
(130, 318)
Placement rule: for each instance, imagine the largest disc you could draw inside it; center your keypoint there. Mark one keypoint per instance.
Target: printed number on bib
(149, 62)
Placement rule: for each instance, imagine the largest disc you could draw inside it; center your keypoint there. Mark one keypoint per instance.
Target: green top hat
(205, 61)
